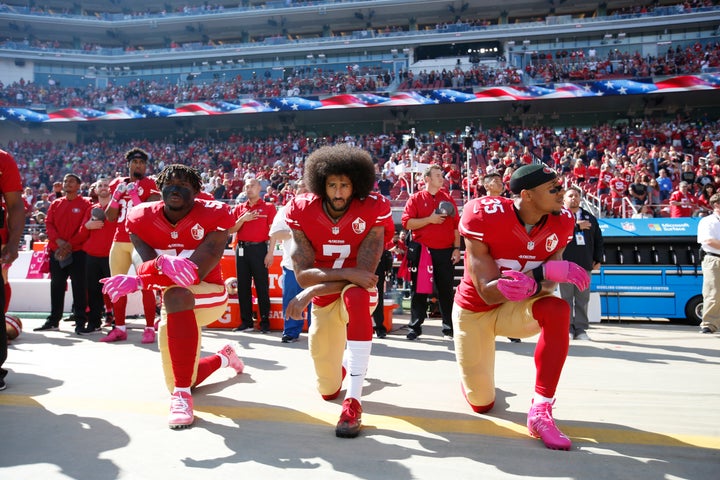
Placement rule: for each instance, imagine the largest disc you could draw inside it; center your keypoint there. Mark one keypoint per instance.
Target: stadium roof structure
(123, 20)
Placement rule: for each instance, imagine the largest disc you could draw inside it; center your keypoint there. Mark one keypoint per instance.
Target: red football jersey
(10, 181)
(146, 188)
(99, 241)
(493, 221)
(257, 230)
(618, 187)
(148, 222)
(336, 244)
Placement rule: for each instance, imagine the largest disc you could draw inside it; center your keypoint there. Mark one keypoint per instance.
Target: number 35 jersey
(494, 221)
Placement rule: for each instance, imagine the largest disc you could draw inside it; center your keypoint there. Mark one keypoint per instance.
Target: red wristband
(148, 273)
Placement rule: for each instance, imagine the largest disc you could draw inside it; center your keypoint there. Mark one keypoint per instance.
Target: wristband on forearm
(135, 198)
(538, 273)
(150, 276)
(117, 194)
(538, 276)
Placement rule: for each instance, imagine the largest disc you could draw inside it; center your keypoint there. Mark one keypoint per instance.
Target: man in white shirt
(280, 231)
(708, 236)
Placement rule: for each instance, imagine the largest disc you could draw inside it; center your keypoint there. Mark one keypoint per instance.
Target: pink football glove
(134, 191)
(518, 287)
(119, 191)
(180, 270)
(120, 285)
(563, 271)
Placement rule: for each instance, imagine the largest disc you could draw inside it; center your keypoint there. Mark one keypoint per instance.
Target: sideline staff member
(252, 258)
(585, 249)
(708, 237)
(438, 231)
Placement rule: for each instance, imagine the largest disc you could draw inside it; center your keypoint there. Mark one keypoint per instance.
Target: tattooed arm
(324, 281)
(363, 275)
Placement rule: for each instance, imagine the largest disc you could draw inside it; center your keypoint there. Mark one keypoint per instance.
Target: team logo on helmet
(197, 232)
(358, 225)
(551, 242)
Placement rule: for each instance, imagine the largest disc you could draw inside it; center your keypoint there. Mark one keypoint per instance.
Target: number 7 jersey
(494, 221)
(336, 244)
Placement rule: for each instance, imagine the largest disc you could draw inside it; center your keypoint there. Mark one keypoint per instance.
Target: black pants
(379, 313)
(443, 279)
(250, 268)
(3, 329)
(95, 269)
(58, 284)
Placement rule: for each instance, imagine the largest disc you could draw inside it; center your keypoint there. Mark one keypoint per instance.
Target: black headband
(530, 176)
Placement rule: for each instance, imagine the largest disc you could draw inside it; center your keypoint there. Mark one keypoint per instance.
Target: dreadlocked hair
(180, 171)
(341, 159)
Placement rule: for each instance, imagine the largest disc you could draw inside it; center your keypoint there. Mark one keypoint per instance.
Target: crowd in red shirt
(612, 163)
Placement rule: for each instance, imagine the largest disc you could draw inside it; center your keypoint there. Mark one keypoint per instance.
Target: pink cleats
(541, 425)
(181, 410)
(350, 419)
(148, 335)
(228, 351)
(115, 335)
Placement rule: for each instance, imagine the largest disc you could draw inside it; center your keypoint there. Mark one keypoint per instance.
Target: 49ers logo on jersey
(358, 225)
(551, 242)
(197, 232)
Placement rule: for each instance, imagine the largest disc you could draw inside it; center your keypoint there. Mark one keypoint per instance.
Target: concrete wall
(13, 70)
(34, 295)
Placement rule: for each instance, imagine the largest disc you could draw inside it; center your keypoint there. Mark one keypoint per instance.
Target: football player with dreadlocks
(181, 240)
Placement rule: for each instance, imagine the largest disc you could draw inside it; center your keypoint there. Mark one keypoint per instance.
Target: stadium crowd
(561, 65)
(618, 165)
(303, 81)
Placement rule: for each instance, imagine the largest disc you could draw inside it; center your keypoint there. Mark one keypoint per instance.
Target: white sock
(121, 327)
(180, 389)
(358, 357)
(540, 399)
(224, 362)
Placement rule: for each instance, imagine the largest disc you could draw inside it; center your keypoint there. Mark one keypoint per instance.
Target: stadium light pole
(467, 141)
(412, 145)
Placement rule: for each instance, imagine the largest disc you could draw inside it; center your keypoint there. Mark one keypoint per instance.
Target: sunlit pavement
(639, 402)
